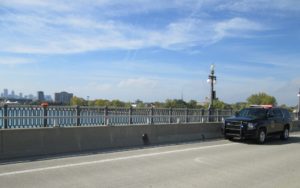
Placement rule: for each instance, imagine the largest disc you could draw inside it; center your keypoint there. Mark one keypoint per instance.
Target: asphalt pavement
(214, 163)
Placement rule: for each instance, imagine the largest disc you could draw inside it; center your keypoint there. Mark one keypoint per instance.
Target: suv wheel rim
(286, 133)
(262, 136)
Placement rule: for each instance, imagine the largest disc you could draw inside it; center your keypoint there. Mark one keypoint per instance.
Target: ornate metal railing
(20, 116)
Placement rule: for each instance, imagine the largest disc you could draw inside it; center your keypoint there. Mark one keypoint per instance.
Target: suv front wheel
(261, 136)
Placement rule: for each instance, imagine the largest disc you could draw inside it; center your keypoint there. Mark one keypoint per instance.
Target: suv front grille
(233, 128)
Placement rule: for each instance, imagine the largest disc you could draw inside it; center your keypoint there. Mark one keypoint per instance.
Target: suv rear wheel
(285, 133)
(261, 136)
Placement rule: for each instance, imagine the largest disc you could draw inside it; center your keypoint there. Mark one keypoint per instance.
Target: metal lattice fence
(17, 116)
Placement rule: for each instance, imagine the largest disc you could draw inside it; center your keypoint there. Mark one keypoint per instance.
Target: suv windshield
(252, 113)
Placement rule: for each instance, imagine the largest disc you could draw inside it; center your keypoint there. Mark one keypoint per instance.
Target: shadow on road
(273, 140)
(94, 152)
(270, 141)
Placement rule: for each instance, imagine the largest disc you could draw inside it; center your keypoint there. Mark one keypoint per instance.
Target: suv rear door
(278, 118)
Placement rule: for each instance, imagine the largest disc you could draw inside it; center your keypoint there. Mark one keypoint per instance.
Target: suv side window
(286, 113)
(278, 113)
(270, 113)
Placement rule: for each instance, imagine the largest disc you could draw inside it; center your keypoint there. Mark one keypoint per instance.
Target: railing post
(130, 115)
(209, 115)
(151, 115)
(106, 115)
(45, 109)
(5, 116)
(202, 115)
(170, 115)
(186, 115)
(78, 115)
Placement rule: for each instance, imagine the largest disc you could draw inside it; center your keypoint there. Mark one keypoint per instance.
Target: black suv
(257, 123)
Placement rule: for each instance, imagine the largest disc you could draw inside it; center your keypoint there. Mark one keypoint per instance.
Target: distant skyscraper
(21, 95)
(5, 93)
(40, 96)
(30, 96)
(13, 94)
(48, 98)
(63, 97)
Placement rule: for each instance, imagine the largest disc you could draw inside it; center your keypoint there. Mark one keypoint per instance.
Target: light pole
(298, 113)
(212, 81)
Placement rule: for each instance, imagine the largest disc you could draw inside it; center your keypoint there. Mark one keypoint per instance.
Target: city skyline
(151, 51)
(10, 94)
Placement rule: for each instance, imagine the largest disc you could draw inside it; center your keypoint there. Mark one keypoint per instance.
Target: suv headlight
(251, 126)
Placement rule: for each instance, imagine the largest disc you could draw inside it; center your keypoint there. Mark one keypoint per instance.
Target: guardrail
(17, 116)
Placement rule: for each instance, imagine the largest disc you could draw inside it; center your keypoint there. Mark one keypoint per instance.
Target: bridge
(80, 146)
(216, 163)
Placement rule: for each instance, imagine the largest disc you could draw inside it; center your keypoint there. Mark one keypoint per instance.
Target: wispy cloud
(236, 27)
(256, 5)
(13, 61)
(74, 31)
(73, 35)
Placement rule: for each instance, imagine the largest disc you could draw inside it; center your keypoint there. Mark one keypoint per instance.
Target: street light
(212, 79)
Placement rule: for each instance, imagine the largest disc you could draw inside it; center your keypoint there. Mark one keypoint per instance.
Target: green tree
(158, 104)
(78, 101)
(117, 103)
(101, 102)
(139, 104)
(218, 104)
(239, 106)
(261, 98)
(175, 103)
(193, 104)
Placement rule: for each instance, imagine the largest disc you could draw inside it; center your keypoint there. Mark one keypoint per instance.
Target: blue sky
(151, 50)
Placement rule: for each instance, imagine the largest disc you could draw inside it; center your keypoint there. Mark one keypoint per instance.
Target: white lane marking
(112, 160)
(294, 135)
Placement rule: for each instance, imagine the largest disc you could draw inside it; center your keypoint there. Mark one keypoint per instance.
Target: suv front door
(271, 127)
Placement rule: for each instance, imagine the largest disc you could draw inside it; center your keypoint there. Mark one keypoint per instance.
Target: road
(217, 163)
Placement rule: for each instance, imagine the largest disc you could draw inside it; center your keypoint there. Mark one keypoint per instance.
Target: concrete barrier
(44, 141)
(47, 141)
(295, 126)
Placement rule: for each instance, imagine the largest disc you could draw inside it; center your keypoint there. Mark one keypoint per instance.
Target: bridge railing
(20, 116)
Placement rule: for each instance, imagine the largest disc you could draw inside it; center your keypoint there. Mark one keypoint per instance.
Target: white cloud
(268, 6)
(236, 27)
(15, 61)
(44, 31)
(73, 35)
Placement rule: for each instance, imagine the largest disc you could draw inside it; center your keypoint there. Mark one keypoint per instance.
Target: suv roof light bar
(266, 106)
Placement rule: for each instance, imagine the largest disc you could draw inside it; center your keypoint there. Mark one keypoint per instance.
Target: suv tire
(285, 133)
(261, 136)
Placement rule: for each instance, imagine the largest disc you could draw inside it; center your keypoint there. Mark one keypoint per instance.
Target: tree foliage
(175, 103)
(78, 101)
(261, 98)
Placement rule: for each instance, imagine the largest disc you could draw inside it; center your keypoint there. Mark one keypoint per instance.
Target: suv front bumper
(239, 132)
